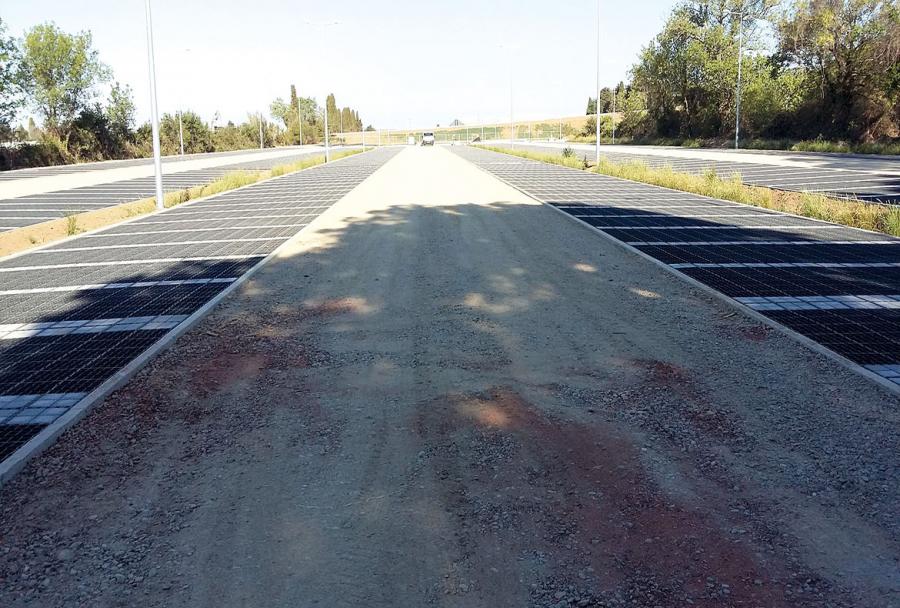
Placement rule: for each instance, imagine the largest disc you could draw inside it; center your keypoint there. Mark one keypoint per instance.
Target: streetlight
(737, 99)
(597, 145)
(322, 27)
(154, 114)
(300, 121)
(512, 124)
(180, 133)
(261, 141)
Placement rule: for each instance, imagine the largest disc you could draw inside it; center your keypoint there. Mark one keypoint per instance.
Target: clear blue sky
(401, 63)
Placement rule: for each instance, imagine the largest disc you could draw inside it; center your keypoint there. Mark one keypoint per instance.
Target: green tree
(334, 115)
(61, 72)
(688, 72)
(851, 48)
(120, 112)
(197, 136)
(10, 78)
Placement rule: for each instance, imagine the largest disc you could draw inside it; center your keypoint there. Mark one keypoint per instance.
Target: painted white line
(724, 227)
(102, 235)
(841, 302)
(680, 215)
(134, 262)
(891, 371)
(30, 217)
(36, 409)
(44, 329)
(203, 219)
(164, 283)
(681, 266)
(165, 244)
(609, 206)
(707, 243)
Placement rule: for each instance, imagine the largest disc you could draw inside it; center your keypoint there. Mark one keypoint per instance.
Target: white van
(427, 138)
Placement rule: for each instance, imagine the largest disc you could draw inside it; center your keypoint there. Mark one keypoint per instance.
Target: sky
(401, 63)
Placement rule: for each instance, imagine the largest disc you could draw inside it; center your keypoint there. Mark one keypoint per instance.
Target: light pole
(322, 27)
(597, 145)
(737, 100)
(261, 141)
(615, 93)
(512, 125)
(180, 133)
(154, 114)
(300, 121)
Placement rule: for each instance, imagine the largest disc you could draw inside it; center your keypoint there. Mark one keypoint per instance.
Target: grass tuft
(855, 214)
(72, 224)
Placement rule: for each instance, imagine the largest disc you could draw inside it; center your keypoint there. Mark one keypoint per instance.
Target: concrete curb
(746, 310)
(17, 460)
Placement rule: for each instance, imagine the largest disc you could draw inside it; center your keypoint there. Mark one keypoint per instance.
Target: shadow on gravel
(439, 406)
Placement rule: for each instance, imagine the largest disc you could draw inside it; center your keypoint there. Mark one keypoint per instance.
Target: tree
(852, 50)
(334, 115)
(120, 112)
(10, 78)
(61, 72)
(688, 72)
(287, 114)
(197, 136)
(34, 133)
(591, 106)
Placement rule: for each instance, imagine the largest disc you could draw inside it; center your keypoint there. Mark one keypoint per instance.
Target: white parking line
(100, 235)
(687, 265)
(36, 409)
(706, 243)
(45, 329)
(134, 262)
(163, 283)
(841, 302)
(166, 244)
(725, 227)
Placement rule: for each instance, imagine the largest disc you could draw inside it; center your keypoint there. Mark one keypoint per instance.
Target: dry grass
(868, 216)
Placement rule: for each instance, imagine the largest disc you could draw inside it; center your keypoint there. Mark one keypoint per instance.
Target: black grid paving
(875, 186)
(27, 210)
(810, 270)
(102, 278)
(118, 164)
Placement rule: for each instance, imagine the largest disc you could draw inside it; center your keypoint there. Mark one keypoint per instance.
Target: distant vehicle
(427, 138)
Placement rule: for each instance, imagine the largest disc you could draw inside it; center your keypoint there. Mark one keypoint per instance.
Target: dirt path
(447, 394)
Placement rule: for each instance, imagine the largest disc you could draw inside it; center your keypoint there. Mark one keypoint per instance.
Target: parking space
(835, 285)
(35, 208)
(876, 181)
(74, 314)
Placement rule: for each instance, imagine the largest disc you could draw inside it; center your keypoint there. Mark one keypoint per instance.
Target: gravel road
(444, 393)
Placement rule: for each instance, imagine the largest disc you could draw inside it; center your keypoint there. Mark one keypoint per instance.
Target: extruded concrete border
(746, 310)
(17, 460)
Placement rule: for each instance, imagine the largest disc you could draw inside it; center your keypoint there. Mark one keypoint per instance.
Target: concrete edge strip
(731, 302)
(37, 444)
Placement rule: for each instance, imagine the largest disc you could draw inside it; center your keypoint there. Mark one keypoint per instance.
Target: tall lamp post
(737, 100)
(597, 144)
(512, 124)
(154, 113)
(322, 27)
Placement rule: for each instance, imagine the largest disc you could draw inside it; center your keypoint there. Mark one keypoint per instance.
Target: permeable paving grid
(73, 314)
(36, 208)
(836, 285)
(871, 186)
